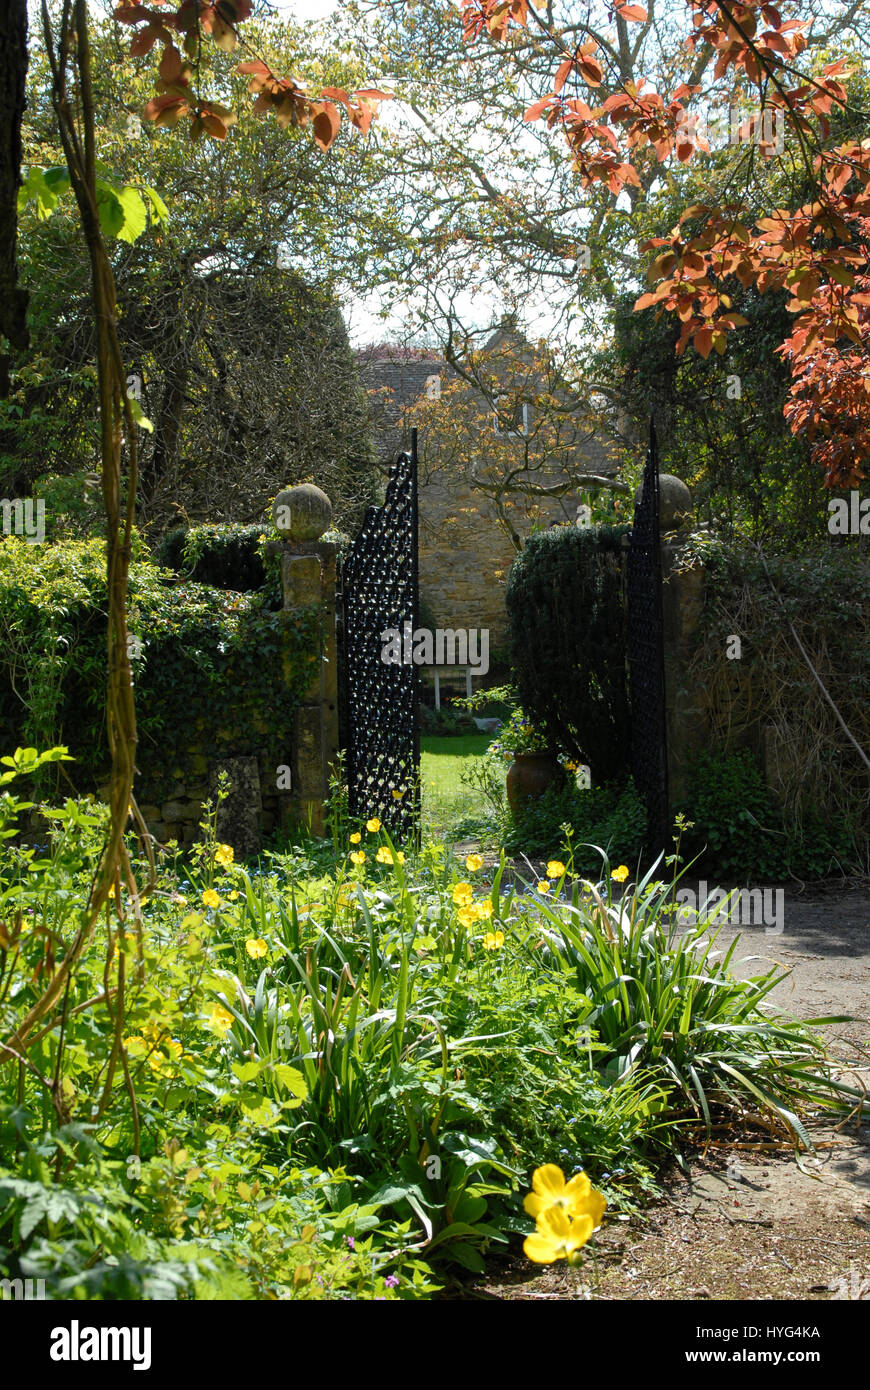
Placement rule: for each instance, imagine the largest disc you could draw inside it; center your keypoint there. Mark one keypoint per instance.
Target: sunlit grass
(446, 800)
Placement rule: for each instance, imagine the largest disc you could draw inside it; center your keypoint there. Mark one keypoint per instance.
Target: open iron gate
(646, 663)
(380, 724)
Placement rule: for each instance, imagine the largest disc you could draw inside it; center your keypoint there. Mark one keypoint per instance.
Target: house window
(433, 387)
(520, 421)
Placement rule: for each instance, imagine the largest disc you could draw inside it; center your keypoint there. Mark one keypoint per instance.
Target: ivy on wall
(214, 670)
(567, 628)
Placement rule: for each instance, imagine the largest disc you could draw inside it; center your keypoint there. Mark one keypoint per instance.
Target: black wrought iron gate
(381, 714)
(646, 666)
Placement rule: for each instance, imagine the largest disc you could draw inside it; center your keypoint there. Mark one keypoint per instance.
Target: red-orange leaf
(326, 125)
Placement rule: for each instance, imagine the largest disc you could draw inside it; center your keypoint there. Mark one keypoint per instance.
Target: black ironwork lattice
(381, 699)
(646, 654)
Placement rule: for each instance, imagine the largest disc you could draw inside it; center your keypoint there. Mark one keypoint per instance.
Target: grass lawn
(446, 801)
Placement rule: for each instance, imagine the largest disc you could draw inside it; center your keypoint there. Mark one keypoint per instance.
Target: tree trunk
(13, 72)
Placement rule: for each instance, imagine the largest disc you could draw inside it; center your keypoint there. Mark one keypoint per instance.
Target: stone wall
(465, 555)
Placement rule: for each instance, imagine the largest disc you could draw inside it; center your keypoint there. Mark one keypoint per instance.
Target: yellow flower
(397, 795)
(373, 825)
(224, 855)
(180, 899)
(256, 947)
(221, 1018)
(483, 910)
(358, 857)
(571, 767)
(385, 855)
(543, 886)
(210, 898)
(473, 863)
(558, 1237)
(621, 874)
(462, 894)
(233, 896)
(493, 941)
(355, 838)
(555, 869)
(467, 917)
(576, 1197)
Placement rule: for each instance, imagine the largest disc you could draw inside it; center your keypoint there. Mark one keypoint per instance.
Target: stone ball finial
(675, 502)
(302, 513)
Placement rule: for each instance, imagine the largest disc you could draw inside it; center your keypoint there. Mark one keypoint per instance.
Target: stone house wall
(464, 550)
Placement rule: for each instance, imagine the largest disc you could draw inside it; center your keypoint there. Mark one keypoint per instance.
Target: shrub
(611, 817)
(565, 606)
(738, 829)
(225, 556)
(209, 659)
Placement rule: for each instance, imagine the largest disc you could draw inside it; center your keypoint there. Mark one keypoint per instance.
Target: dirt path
(745, 1224)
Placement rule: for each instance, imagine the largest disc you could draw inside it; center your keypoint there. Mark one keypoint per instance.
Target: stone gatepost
(682, 604)
(301, 515)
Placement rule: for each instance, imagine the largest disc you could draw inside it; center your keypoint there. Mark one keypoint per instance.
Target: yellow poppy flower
(577, 1197)
(210, 898)
(224, 855)
(555, 869)
(467, 917)
(483, 910)
(358, 857)
(558, 1237)
(383, 855)
(473, 863)
(462, 894)
(233, 896)
(256, 947)
(220, 1018)
(373, 825)
(355, 838)
(493, 941)
(543, 886)
(621, 874)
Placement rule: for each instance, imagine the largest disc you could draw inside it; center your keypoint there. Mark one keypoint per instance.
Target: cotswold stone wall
(465, 555)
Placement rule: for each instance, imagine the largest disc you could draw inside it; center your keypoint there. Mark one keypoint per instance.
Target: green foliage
(564, 602)
(664, 1002)
(345, 1074)
(770, 700)
(612, 817)
(212, 665)
(738, 828)
(227, 556)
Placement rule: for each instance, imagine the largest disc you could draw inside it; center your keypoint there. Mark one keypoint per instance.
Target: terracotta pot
(529, 776)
